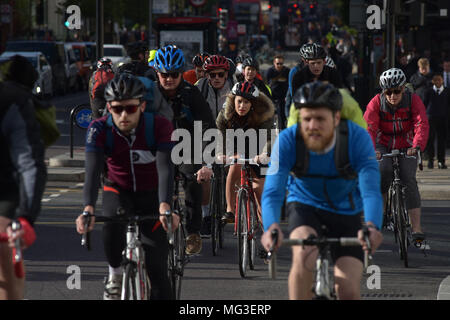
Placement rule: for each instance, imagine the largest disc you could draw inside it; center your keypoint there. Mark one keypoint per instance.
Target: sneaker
(442, 165)
(205, 231)
(228, 217)
(113, 287)
(193, 244)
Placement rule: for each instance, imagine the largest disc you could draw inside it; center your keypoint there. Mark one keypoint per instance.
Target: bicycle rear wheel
(242, 234)
(214, 213)
(402, 236)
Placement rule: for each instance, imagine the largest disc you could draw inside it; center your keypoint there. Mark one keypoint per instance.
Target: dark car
(53, 51)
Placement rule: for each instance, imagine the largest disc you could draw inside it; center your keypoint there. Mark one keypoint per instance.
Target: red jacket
(406, 127)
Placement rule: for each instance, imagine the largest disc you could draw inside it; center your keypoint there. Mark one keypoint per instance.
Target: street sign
(241, 29)
(161, 7)
(232, 31)
(83, 118)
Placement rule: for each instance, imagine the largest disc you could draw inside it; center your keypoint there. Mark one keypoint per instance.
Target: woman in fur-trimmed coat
(246, 108)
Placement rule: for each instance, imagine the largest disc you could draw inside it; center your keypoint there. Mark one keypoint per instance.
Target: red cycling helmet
(245, 89)
(216, 62)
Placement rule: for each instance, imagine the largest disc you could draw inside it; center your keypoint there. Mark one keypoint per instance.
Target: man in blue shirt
(320, 195)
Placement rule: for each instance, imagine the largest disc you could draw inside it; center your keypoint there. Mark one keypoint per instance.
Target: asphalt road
(59, 268)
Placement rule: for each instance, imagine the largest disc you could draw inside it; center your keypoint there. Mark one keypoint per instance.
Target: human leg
(347, 277)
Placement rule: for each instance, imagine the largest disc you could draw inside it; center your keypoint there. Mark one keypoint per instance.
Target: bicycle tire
(243, 250)
(129, 291)
(214, 213)
(401, 226)
(222, 208)
(253, 229)
(181, 258)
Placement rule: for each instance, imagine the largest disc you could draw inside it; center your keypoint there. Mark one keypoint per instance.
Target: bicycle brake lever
(367, 253)
(16, 226)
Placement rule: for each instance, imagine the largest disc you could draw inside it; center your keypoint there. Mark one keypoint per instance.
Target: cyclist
(182, 103)
(23, 171)
(397, 119)
(277, 76)
(315, 69)
(97, 84)
(319, 195)
(250, 69)
(194, 75)
(139, 177)
(246, 108)
(214, 87)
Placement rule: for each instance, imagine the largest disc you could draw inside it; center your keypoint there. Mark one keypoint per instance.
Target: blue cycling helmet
(168, 59)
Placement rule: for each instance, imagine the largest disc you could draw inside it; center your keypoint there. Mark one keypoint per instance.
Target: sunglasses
(173, 75)
(390, 92)
(279, 64)
(217, 74)
(128, 109)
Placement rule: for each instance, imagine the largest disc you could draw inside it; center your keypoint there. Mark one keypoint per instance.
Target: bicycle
(177, 241)
(248, 219)
(17, 257)
(396, 214)
(135, 282)
(323, 287)
(216, 208)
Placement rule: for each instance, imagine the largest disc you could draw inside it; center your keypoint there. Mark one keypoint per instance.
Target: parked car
(83, 63)
(55, 54)
(117, 54)
(44, 84)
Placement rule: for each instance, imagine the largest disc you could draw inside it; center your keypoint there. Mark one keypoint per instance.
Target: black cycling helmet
(245, 89)
(241, 57)
(250, 62)
(318, 94)
(124, 86)
(312, 51)
(199, 59)
(392, 78)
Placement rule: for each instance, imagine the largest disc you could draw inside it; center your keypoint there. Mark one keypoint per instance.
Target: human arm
(372, 117)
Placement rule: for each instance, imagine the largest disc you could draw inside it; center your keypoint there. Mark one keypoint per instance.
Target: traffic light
(223, 18)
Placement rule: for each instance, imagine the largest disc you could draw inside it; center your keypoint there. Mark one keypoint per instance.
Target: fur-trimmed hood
(260, 115)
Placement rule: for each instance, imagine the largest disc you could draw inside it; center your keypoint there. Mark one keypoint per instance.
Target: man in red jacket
(397, 119)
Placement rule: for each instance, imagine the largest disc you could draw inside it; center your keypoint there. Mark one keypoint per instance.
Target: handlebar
(396, 153)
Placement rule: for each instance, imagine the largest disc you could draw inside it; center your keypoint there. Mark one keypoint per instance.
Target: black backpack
(341, 159)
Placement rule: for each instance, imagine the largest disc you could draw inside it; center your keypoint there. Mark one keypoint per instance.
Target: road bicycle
(135, 282)
(177, 240)
(248, 218)
(396, 215)
(323, 287)
(217, 207)
(17, 257)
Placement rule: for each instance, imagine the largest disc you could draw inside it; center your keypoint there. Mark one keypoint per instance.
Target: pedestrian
(421, 80)
(437, 102)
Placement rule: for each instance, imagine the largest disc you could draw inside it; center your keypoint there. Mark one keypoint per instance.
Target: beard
(317, 141)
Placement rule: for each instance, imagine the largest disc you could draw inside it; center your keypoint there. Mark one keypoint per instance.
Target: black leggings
(154, 236)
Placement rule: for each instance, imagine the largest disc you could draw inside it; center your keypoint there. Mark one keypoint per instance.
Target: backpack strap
(301, 155)
(341, 157)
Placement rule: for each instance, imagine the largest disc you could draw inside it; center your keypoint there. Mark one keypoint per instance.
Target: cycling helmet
(318, 94)
(169, 59)
(216, 62)
(199, 59)
(392, 78)
(250, 62)
(329, 62)
(104, 63)
(312, 51)
(245, 89)
(241, 57)
(124, 86)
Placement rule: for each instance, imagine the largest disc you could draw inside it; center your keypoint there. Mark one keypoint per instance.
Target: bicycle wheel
(401, 226)
(130, 282)
(222, 206)
(214, 213)
(242, 234)
(253, 230)
(180, 238)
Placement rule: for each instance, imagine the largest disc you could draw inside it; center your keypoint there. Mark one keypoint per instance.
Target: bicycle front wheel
(214, 213)
(242, 234)
(253, 230)
(130, 282)
(402, 235)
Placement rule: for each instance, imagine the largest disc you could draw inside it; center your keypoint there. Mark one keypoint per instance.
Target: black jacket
(305, 76)
(23, 172)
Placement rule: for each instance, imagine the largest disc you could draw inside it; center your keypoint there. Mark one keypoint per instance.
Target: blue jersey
(365, 190)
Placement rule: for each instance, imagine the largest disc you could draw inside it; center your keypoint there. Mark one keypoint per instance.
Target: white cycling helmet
(392, 78)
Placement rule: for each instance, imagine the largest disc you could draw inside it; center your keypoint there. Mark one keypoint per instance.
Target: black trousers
(438, 131)
(193, 194)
